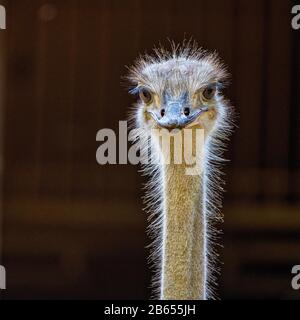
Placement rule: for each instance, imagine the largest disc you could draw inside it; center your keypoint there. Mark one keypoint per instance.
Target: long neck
(184, 229)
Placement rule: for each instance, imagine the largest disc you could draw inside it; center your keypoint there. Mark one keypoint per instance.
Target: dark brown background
(75, 229)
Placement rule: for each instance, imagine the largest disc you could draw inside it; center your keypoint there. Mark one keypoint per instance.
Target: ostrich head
(178, 90)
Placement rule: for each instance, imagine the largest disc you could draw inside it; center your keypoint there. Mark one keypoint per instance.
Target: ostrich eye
(209, 92)
(146, 96)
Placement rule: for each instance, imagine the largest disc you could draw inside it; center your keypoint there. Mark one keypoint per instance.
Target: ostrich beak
(176, 115)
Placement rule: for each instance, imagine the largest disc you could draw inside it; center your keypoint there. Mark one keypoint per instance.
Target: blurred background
(74, 229)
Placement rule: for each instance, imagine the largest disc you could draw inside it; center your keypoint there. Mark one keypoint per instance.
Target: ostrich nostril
(162, 112)
(186, 111)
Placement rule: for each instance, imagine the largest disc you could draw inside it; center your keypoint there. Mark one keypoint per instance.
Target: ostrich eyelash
(134, 91)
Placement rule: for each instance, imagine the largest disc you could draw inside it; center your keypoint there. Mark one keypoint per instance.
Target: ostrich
(180, 89)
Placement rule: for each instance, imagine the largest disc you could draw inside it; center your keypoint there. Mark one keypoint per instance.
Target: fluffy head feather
(186, 68)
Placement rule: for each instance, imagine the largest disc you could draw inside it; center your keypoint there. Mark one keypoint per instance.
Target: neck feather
(183, 274)
(183, 256)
